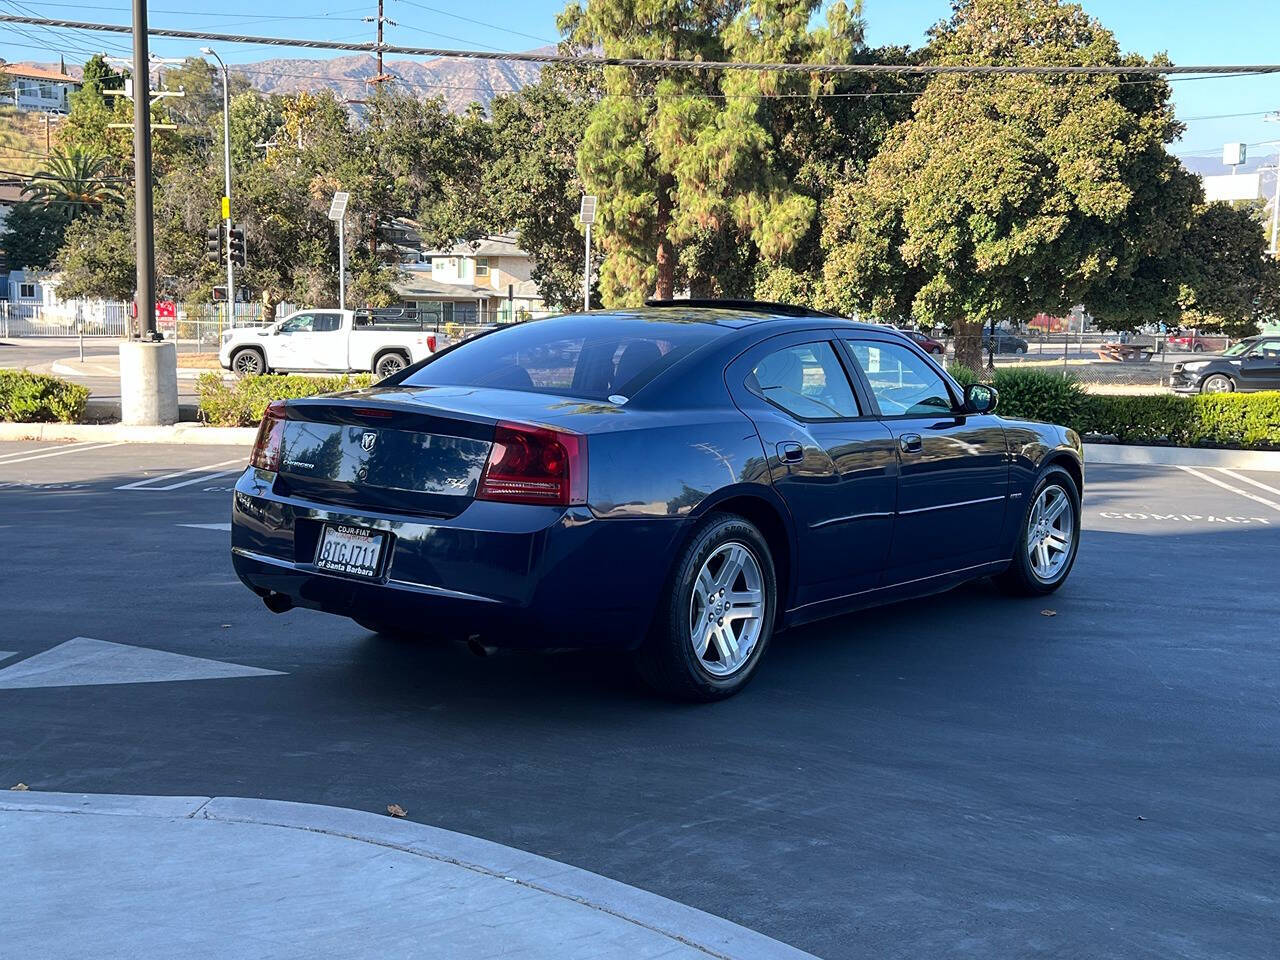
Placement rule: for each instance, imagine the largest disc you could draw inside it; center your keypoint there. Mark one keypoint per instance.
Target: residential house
(489, 282)
(10, 194)
(30, 287)
(34, 87)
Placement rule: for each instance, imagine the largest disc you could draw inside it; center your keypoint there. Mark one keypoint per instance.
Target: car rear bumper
(515, 575)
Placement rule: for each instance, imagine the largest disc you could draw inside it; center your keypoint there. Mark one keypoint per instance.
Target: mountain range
(459, 82)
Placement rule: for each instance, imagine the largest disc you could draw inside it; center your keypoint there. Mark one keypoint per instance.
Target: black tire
(1020, 348)
(248, 362)
(1219, 380)
(1020, 578)
(389, 364)
(667, 660)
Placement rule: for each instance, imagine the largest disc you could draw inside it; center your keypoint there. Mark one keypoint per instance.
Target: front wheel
(248, 362)
(1050, 538)
(717, 616)
(1217, 383)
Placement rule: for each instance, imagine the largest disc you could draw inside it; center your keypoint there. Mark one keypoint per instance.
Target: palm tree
(76, 182)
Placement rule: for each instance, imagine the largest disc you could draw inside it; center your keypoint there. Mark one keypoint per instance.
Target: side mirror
(980, 398)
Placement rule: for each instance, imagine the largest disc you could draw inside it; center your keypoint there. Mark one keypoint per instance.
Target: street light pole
(226, 179)
(587, 216)
(342, 262)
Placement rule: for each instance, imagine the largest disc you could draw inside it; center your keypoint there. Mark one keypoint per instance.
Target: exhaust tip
(278, 602)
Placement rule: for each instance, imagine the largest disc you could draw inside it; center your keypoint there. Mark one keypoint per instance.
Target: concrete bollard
(148, 383)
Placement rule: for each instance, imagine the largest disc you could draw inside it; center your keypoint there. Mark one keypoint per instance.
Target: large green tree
(32, 234)
(1003, 196)
(684, 163)
(1226, 276)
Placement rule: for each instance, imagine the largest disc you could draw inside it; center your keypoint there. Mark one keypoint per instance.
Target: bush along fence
(241, 403)
(34, 398)
(1244, 420)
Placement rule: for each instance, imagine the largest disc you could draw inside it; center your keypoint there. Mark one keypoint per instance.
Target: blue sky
(1190, 31)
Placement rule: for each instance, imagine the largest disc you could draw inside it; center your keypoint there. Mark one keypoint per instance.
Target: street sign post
(338, 213)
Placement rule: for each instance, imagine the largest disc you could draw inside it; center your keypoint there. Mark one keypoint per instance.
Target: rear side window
(805, 380)
(588, 357)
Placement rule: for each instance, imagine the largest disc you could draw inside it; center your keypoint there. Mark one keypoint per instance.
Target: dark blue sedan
(681, 481)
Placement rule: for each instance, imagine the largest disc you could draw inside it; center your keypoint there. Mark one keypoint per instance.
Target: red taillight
(266, 449)
(431, 342)
(535, 465)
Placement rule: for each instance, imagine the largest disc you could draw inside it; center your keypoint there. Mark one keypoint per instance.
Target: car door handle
(910, 443)
(790, 452)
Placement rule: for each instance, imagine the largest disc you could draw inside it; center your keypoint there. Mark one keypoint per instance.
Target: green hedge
(240, 403)
(34, 398)
(1210, 420)
(1213, 420)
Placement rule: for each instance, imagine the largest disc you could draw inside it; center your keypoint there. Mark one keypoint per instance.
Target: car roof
(739, 316)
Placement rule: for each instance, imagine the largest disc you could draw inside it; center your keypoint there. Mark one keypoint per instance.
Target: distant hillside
(459, 82)
(21, 140)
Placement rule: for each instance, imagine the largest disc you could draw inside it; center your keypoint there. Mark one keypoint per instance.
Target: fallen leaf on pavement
(19, 786)
(396, 810)
(1048, 613)
(1142, 818)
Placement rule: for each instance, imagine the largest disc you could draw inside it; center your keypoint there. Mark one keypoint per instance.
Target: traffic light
(213, 244)
(237, 247)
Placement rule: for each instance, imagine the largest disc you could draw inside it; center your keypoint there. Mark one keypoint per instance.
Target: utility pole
(379, 20)
(587, 216)
(148, 366)
(144, 214)
(226, 179)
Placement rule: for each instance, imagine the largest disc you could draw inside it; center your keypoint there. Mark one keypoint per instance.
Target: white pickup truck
(383, 342)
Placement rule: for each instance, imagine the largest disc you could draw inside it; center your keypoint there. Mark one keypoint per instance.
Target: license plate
(350, 550)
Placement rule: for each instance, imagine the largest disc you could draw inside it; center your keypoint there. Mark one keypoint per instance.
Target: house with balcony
(472, 283)
(33, 87)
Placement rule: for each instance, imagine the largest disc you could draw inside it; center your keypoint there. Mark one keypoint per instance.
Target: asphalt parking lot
(1092, 775)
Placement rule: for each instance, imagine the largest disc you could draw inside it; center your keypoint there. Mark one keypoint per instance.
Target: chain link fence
(1102, 362)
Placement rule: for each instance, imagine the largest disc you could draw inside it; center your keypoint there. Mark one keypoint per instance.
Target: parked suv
(1250, 365)
(1006, 341)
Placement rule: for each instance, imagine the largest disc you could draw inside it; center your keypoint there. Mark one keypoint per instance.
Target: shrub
(963, 375)
(1039, 395)
(1216, 420)
(34, 398)
(241, 403)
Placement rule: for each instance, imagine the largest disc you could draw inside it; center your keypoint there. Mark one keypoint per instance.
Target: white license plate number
(350, 550)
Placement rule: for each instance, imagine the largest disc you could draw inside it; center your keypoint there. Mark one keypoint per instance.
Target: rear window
(589, 357)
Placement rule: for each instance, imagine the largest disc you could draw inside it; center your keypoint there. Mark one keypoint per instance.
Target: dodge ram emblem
(368, 440)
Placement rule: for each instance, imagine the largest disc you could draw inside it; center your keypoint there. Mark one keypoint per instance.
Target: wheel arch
(765, 510)
(1069, 462)
(383, 351)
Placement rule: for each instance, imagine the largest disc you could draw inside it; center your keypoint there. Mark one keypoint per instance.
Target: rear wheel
(717, 616)
(1217, 383)
(390, 363)
(1046, 548)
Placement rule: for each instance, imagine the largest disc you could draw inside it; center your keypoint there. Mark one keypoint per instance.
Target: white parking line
(225, 527)
(149, 482)
(1249, 480)
(1226, 486)
(74, 448)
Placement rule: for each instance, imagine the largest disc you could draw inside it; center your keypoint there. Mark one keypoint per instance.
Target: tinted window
(591, 357)
(903, 382)
(327, 322)
(807, 381)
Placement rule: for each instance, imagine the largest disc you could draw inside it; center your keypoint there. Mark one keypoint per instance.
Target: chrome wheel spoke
(1054, 511)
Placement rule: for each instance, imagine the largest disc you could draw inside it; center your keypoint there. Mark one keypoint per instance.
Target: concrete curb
(185, 433)
(1120, 454)
(686, 925)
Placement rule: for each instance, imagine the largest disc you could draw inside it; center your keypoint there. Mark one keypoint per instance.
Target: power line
(692, 65)
(479, 23)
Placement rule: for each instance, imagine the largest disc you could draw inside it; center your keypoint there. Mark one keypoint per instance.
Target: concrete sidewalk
(104, 876)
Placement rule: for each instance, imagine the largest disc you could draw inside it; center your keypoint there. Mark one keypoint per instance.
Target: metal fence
(194, 327)
(1103, 362)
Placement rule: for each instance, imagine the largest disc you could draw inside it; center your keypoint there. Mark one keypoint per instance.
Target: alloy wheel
(1218, 384)
(247, 362)
(1051, 531)
(727, 609)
